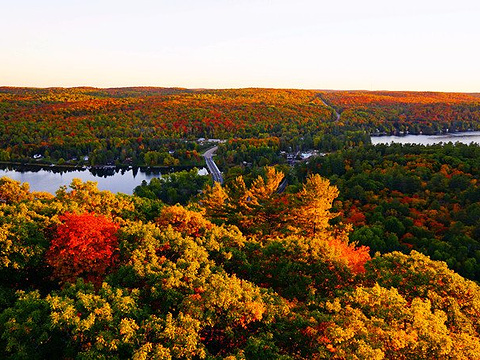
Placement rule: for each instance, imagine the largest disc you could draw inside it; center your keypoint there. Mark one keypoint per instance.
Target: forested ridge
(243, 272)
(142, 126)
(161, 126)
(406, 111)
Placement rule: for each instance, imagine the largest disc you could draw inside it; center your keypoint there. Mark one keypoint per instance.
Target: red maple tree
(84, 245)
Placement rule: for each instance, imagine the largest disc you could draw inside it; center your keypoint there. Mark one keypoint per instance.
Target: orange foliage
(84, 245)
(353, 98)
(355, 257)
(261, 209)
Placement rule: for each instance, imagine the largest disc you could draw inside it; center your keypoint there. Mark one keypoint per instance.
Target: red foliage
(84, 245)
(356, 217)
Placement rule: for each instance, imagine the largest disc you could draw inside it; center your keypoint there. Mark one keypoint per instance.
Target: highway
(336, 113)
(211, 166)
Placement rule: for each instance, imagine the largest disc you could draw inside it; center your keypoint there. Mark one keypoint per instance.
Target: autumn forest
(353, 251)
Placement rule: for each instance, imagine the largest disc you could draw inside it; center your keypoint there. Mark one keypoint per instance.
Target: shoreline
(453, 133)
(95, 168)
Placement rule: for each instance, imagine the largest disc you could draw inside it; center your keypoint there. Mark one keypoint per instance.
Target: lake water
(114, 180)
(463, 137)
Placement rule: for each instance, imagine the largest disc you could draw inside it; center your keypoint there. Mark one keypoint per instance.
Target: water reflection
(114, 179)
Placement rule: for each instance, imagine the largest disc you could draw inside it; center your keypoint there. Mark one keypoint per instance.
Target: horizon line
(226, 88)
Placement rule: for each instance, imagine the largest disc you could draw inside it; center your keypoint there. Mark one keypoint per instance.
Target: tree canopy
(88, 274)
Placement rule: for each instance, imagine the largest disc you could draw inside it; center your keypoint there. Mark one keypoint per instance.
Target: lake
(463, 137)
(112, 179)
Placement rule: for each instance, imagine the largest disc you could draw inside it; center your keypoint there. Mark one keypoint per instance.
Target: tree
(12, 191)
(84, 245)
(380, 323)
(313, 204)
(262, 209)
(179, 187)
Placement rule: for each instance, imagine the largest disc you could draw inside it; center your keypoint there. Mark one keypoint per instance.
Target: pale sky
(305, 44)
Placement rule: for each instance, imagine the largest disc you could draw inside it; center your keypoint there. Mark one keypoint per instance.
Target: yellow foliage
(227, 298)
(214, 199)
(312, 205)
(128, 329)
(380, 323)
(261, 209)
(150, 351)
(182, 333)
(187, 222)
(12, 191)
(85, 197)
(416, 275)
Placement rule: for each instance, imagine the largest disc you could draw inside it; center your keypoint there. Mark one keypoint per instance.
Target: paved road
(282, 186)
(212, 167)
(336, 113)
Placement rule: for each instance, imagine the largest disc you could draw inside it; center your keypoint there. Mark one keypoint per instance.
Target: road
(282, 186)
(211, 166)
(336, 113)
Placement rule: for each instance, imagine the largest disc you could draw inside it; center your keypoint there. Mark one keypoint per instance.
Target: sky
(420, 45)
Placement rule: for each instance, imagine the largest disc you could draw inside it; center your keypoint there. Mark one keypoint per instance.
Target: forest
(242, 272)
(162, 126)
(318, 245)
(403, 197)
(388, 112)
(144, 126)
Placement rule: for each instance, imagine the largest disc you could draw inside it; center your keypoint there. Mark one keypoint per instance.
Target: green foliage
(400, 197)
(26, 331)
(179, 187)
